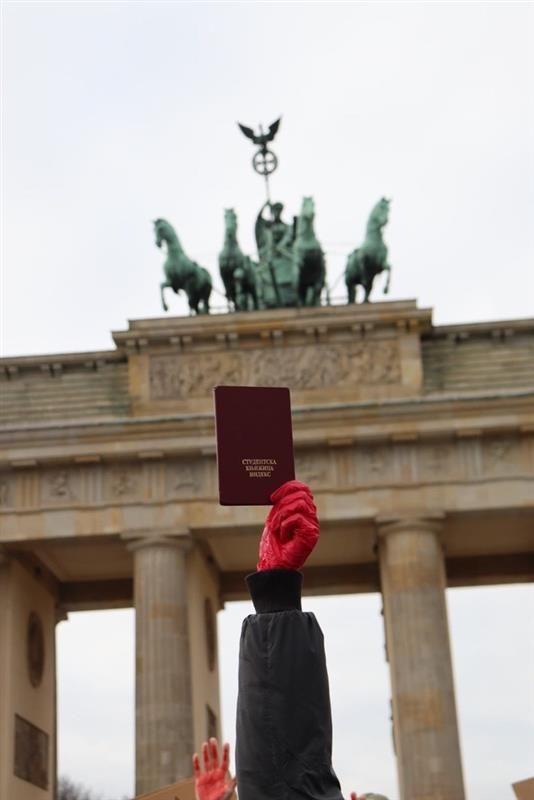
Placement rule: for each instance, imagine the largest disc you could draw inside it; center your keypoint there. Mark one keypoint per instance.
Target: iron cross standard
(264, 161)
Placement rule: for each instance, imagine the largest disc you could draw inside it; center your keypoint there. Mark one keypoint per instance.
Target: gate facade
(417, 441)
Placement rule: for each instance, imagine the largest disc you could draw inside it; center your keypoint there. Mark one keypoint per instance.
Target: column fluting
(412, 572)
(163, 697)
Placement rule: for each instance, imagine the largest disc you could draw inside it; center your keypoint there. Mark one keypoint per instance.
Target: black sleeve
(284, 725)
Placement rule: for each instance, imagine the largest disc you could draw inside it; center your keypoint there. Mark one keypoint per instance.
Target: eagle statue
(261, 139)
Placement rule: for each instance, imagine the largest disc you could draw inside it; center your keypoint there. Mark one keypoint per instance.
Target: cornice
(242, 328)
(376, 406)
(157, 437)
(228, 330)
(55, 362)
(496, 329)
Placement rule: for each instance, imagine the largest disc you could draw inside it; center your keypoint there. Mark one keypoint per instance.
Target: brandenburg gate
(417, 440)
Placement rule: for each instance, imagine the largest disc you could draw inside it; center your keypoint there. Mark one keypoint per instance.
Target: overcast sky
(116, 113)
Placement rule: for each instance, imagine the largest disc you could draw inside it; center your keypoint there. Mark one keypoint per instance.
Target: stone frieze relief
(346, 467)
(300, 368)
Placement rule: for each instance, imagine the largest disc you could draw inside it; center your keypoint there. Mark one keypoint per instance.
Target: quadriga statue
(238, 271)
(181, 272)
(369, 260)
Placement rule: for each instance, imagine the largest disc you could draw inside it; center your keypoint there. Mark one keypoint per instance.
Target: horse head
(163, 230)
(307, 210)
(306, 217)
(380, 213)
(230, 221)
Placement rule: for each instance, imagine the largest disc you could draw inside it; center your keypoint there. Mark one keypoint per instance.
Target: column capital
(426, 522)
(180, 539)
(61, 614)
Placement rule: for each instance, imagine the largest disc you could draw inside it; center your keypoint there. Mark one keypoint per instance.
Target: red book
(254, 443)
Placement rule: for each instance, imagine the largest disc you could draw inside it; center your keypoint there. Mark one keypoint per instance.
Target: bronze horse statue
(369, 260)
(181, 272)
(308, 258)
(237, 270)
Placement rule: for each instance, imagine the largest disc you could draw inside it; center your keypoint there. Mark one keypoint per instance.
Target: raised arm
(284, 727)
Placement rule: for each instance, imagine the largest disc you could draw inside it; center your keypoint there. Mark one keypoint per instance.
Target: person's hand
(291, 529)
(215, 783)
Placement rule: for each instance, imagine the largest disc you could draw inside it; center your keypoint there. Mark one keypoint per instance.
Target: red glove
(215, 782)
(291, 530)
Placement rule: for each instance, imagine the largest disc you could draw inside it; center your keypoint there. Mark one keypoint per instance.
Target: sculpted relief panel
(189, 478)
(313, 467)
(60, 486)
(173, 377)
(31, 753)
(307, 367)
(440, 462)
(500, 456)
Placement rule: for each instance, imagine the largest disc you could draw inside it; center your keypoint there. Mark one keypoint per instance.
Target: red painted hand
(291, 529)
(215, 783)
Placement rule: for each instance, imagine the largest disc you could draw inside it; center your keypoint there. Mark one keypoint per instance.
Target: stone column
(61, 616)
(163, 699)
(412, 571)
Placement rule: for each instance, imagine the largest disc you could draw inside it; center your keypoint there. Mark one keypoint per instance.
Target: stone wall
(467, 358)
(63, 387)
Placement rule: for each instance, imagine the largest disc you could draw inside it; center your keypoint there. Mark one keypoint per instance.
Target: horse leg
(204, 297)
(387, 269)
(227, 280)
(254, 290)
(240, 295)
(302, 290)
(201, 306)
(254, 297)
(164, 285)
(351, 292)
(249, 290)
(367, 277)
